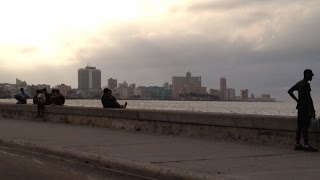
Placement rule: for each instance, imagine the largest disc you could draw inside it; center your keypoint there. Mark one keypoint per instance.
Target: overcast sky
(260, 45)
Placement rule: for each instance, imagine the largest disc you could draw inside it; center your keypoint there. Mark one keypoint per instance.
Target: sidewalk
(221, 159)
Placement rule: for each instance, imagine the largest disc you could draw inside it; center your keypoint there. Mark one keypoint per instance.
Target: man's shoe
(298, 147)
(309, 149)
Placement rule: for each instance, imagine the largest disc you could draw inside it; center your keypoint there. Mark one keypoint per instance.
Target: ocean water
(266, 108)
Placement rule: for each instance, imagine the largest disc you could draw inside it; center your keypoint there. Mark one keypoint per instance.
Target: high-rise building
(223, 88)
(186, 85)
(245, 94)
(112, 83)
(231, 94)
(89, 78)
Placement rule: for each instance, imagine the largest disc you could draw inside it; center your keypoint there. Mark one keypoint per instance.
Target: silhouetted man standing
(305, 110)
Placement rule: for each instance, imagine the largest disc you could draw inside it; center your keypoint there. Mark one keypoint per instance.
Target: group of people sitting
(54, 98)
(42, 98)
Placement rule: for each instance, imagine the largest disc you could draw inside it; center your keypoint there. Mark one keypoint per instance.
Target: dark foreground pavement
(219, 159)
(18, 165)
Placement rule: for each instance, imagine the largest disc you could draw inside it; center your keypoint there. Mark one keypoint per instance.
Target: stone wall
(259, 129)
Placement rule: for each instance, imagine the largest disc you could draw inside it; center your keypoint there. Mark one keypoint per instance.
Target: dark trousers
(304, 120)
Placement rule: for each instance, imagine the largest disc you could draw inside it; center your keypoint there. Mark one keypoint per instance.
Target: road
(17, 165)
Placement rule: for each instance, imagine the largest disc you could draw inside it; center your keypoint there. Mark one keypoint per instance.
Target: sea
(263, 108)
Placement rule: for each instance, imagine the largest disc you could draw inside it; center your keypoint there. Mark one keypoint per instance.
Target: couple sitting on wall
(109, 101)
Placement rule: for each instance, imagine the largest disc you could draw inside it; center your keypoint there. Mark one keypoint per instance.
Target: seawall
(259, 129)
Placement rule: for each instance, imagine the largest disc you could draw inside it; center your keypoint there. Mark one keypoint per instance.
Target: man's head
(44, 90)
(308, 74)
(107, 91)
(21, 89)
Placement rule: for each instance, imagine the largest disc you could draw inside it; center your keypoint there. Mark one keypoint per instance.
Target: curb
(127, 166)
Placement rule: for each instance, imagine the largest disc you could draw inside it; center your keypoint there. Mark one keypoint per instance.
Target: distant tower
(112, 83)
(89, 78)
(223, 88)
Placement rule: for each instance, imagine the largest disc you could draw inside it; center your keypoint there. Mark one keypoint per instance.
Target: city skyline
(262, 46)
(87, 82)
(186, 87)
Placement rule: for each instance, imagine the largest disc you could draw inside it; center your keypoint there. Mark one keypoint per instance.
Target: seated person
(21, 97)
(47, 96)
(35, 97)
(57, 98)
(109, 101)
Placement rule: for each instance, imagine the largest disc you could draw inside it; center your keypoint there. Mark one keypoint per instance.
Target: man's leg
(305, 136)
(298, 146)
(306, 126)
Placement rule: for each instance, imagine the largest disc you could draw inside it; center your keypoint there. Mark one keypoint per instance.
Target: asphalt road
(17, 165)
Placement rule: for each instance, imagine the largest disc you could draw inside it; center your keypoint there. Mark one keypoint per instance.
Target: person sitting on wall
(57, 98)
(109, 101)
(21, 97)
(41, 102)
(35, 97)
(47, 96)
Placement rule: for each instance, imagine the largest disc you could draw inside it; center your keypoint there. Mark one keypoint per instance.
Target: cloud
(260, 45)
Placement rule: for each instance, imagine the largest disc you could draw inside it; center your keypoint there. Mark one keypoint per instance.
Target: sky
(263, 46)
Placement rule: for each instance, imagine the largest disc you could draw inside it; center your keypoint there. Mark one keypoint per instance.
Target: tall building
(223, 88)
(231, 94)
(186, 85)
(112, 83)
(245, 94)
(89, 78)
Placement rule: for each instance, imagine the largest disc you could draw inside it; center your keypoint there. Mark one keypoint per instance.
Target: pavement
(219, 159)
(17, 165)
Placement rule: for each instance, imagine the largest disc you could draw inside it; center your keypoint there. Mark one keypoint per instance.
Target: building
(123, 90)
(154, 92)
(131, 91)
(223, 88)
(89, 78)
(231, 94)
(215, 92)
(20, 84)
(252, 97)
(112, 83)
(265, 96)
(186, 85)
(203, 90)
(123, 85)
(245, 94)
(44, 86)
(64, 89)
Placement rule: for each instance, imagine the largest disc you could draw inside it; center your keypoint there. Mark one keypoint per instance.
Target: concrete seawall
(258, 129)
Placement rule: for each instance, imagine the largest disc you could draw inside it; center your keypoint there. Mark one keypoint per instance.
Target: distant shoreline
(163, 100)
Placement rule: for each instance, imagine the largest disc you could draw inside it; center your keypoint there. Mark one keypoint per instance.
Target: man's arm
(313, 112)
(291, 90)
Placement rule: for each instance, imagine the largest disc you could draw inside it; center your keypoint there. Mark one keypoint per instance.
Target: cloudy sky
(260, 45)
